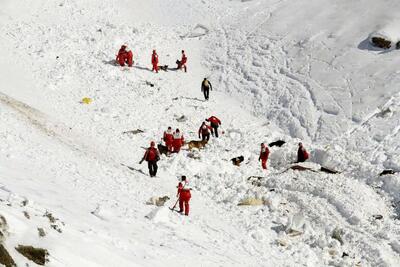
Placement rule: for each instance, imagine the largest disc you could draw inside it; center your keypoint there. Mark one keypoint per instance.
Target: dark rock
(381, 42)
(41, 232)
(323, 169)
(386, 172)
(398, 45)
(278, 143)
(236, 161)
(37, 255)
(137, 131)
(5, 257)
(300, 168)
(377, 217)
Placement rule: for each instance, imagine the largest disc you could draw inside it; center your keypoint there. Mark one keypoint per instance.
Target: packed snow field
(281, 70)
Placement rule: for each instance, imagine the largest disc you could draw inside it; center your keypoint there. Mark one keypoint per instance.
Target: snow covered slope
(298, 71)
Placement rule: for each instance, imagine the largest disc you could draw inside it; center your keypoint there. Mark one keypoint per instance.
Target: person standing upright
(151, 156)
(264, 153)
(154, 61)
(206, 87)
(184, 196)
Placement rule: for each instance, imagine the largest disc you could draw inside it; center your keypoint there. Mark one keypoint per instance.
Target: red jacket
(184, 59)
(264, 153)
(151, 154)
(183, 193)
(205, 129)
(168, 137)
(214, 120)
(154, 59)
(178, 139)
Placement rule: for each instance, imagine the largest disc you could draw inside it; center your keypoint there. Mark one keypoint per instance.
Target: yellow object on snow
(86, 100)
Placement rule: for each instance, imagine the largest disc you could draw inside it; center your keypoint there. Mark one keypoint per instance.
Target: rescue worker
(124, 56)
(215, 123)
(151, 156)
(302, 154)
(154, 61)
(178, 141)
(184, 196)
(204, 132)
(183, 61)
(169, 138)
(264, 153)
(206, 87)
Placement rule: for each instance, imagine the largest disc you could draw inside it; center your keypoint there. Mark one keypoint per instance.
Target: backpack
(152, 155)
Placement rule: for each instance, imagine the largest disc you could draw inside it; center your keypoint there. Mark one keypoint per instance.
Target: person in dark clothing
(302, 154)
(215, 123)
(151, 156)
(204, 132)
(206, 87)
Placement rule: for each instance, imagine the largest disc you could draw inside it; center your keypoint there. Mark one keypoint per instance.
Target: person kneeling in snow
(151, 156)
(184, 195)
(124, 56)
(264, 153)
(302, 154)
(182, 63)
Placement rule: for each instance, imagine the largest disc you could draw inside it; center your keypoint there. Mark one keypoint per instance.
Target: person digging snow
(182, 62)
(204, 132)
(302, 154)
(154, 61)
(169, 138)
(184, 195)
(151, 156)
(124, 56)
(215, 123)
(178, 141)
(264, 153)
(205, 88)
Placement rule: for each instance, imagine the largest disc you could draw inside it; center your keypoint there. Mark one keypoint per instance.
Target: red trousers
(169, 145)
(184, 199)
(155, 68)
(264, 163)
(184, 204)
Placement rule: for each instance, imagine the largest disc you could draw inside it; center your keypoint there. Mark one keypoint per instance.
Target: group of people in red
(125, 56)
(206, 129)
(173, 140)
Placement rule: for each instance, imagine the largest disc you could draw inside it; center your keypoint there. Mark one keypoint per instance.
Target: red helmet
(152, 144)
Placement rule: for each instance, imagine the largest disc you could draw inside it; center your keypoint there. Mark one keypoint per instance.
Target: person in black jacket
(206, 87)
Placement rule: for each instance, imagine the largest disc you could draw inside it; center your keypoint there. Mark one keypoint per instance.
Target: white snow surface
(292, 70)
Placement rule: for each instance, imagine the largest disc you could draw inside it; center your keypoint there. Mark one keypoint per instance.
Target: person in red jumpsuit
(204, 131)
(182, 63)
(215, 123)
(125, 56)
(169, 138)
(154, 61)
(302, 154)
(178, 141)
(264, 153)
(184, 196)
